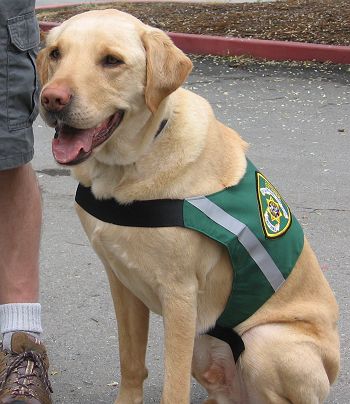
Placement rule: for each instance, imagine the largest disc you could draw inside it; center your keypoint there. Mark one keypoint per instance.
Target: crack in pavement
(314, 210)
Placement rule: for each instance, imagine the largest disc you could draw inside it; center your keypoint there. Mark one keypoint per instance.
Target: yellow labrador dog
(111, 88)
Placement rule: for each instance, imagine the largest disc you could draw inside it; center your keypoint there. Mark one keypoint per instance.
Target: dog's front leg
(133, 318)
(179, 314)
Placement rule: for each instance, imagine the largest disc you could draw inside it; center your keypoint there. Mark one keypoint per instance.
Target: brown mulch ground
(316, 21)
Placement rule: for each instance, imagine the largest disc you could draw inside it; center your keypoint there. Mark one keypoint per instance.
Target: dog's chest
(145, 260)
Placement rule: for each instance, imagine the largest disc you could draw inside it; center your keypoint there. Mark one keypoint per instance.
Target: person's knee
(16, 176)
(15, 172)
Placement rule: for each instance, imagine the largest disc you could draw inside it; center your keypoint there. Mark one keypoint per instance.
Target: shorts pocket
(22, 82)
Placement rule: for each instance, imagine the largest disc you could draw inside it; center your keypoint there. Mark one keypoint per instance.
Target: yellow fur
(292, 348)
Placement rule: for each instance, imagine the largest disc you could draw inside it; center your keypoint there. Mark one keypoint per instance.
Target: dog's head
(105, 76)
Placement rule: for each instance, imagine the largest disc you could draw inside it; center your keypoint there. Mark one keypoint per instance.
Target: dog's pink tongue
(71, 144)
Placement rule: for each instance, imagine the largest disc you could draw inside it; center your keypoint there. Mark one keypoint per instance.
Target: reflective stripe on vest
(245, 236)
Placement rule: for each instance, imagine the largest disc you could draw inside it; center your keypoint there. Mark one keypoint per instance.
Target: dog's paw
(129, 400)
(137, 401)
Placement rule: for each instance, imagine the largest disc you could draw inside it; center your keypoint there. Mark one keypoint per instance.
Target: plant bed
(311, 21)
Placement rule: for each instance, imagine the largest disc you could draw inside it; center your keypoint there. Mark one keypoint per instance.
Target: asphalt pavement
(297, 122)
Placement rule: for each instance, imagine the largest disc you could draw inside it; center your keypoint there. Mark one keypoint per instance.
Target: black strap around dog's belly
(231, 337)
(152, 213)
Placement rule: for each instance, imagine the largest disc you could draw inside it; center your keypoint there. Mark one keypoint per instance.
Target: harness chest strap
(250, 219)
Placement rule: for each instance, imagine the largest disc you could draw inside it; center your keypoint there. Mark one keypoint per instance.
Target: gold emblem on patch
(275, 214)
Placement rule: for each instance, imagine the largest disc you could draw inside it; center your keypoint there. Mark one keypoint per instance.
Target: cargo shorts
(19, 87)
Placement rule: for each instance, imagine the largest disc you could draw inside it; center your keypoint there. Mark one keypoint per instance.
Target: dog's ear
(167, 67)
(42, 63)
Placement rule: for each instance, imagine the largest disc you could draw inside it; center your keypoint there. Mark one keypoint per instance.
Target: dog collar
(161, 127)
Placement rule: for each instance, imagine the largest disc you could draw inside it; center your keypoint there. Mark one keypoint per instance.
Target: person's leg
(20, 218)
(23, 359)
(20, 204)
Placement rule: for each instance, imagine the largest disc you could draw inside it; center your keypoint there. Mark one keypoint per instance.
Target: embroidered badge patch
(274, 211)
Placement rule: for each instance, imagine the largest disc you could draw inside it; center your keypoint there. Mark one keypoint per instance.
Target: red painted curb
(258, 48)
(46, 26)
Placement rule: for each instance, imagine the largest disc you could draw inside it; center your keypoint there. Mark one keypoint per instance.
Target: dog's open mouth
(72, 146)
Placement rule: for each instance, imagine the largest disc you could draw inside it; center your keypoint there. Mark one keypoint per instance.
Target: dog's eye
(55, 54)
(111, 61)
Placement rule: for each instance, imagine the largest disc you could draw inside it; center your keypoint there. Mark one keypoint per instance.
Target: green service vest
(263, 238)
(250, 219)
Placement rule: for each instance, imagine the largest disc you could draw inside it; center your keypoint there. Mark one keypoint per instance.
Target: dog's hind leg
(286, 363)
(214, 368)
(133, 318)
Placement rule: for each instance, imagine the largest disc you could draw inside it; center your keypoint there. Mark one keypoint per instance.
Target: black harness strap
(231, 337)
(152, 213)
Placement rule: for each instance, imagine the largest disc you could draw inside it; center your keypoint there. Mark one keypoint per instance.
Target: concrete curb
(258, 48)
